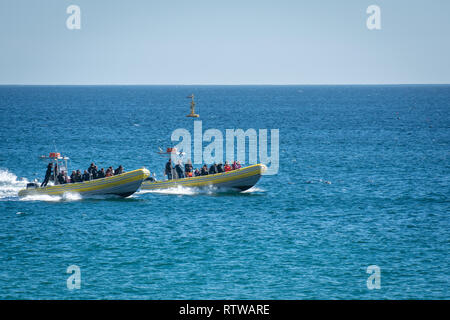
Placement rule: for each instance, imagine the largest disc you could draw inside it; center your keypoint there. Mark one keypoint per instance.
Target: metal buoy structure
(192, 114)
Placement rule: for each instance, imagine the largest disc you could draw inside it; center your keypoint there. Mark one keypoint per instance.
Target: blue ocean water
(364, 180)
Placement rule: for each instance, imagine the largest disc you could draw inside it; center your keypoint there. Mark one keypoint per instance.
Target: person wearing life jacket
(48, 173)
(204, 171)
(238, 165)
(227, 167)
(108, 173)
(188, 168)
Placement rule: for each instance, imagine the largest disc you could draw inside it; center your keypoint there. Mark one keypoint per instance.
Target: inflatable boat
(123, 185)
(239, 179)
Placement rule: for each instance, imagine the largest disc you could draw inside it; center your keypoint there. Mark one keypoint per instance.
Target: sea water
(364, 179)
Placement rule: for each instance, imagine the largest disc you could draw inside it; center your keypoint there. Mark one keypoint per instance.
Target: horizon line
(218, 84)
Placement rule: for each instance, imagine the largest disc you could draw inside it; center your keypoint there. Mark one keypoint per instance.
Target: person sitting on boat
(73, 177)
(78, 176)
(188, 168)
(119, 170)
(48, 173)
(219, 168)
(94, 173)
(168, 170)
(62, 177)
(227, 167)
(101, 173)
(196, 173)
(233, 165)
(108, 173)
(179, 170)
(86, 176)
(91, 170)
(204, 170)
(238, 165)
(213, 169)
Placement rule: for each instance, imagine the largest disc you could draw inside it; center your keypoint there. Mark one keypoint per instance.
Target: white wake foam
(51, 198)
(10, 184)
(254, 190)
(210, 190)
(179, 190)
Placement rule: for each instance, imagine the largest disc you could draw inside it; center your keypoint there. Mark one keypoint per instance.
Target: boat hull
(123, 185)
(240, 179)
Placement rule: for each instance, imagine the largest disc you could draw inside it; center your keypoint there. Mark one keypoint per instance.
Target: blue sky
(224, 42)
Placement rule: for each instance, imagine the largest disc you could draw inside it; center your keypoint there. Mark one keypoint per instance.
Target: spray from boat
(194, 191)
(10, 185)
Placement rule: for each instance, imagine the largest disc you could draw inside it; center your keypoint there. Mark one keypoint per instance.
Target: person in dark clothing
(119, 170)
(73, 177)
(78, 176)
(197, 173)
(94, 173)
(86, 176)
(219, 168)
(91, 169)
(62, 177)
(55, 174)
(101, 173)
(48, 173)
(204, 170)
(179, 171)
(213, 169)
(188, 167)
(168, 169)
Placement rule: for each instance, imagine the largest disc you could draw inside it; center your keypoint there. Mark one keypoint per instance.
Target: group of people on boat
(92, 173)
(177, 171)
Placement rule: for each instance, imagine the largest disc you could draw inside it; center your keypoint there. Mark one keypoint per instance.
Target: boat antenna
(54, 144)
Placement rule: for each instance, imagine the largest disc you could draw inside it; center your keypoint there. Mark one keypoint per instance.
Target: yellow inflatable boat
(240, 179)
(123, 185)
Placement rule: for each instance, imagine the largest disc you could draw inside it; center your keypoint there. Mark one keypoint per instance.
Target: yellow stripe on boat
(242, 179)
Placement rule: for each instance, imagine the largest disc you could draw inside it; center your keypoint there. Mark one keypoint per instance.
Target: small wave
(178, 190)
(318, 181)
(254, 190)
(211, 190)
(10, 184)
